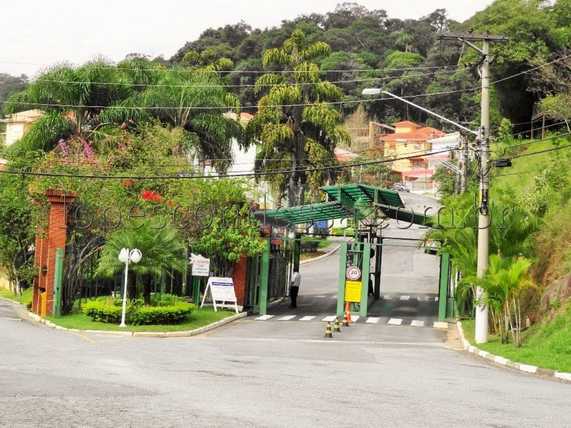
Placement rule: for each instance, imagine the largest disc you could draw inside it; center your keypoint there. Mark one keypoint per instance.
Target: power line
(553, 149)
(220, 176)
(182, 69)
(429, 94)
(249, 85)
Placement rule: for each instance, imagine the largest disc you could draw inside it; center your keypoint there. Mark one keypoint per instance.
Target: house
(18, 124)
(408, 140)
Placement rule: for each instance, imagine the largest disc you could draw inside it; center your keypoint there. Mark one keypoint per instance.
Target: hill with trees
(406, 56)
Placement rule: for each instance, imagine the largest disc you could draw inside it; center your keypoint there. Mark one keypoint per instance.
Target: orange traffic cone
(347, 320)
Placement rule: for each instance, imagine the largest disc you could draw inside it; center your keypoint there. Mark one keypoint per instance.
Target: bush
(170, 310)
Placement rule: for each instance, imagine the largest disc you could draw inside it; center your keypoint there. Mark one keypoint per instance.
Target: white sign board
(222, 293)
(200, 265)
(353, 273)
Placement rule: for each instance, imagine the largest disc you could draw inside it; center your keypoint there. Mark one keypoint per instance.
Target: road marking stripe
(373, 320)
(329, 318)
(334, 297)
(355, 318)
(320, 297)
(287, 318)
(309, 318)
(264, 318)
(395, 321)
(404, 298)
(417, 323)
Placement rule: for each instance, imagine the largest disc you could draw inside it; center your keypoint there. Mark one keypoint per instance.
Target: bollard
(337, 326)
(328, 330)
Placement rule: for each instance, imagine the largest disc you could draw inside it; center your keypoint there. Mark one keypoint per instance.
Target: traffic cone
(347, 320)
(328, 330)
(337, 326)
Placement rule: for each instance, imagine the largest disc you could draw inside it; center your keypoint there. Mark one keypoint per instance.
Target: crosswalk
(358, 319)
(388, 297)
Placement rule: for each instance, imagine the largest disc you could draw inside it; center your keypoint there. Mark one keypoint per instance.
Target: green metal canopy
(344, 201)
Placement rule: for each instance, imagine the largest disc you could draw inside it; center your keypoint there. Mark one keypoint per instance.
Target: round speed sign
(353, 273)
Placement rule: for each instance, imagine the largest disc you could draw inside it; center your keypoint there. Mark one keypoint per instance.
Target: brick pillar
(240, 278)
(47, 242)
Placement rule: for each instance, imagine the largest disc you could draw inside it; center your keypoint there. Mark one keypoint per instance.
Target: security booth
(360, 258)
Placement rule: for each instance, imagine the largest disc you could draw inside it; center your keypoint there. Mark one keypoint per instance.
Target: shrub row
(108, 311)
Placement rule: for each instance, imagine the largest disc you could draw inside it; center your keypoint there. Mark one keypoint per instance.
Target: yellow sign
(353, 291)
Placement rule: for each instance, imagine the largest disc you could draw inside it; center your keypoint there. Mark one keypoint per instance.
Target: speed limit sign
(353, 273)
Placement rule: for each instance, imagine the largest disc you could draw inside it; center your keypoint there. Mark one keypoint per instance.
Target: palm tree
(194, 101)
(162, 247)
(295, 125)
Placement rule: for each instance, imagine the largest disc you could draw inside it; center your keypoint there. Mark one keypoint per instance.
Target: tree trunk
(147, 284)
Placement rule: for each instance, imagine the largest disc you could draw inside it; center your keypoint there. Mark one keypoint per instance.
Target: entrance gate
(356, 201)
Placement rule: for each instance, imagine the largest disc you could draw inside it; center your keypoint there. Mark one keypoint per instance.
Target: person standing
(294, 288)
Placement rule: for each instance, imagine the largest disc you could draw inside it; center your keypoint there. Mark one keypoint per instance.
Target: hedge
(109, 311)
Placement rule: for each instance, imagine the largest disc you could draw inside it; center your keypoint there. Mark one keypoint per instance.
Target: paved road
(230, 378)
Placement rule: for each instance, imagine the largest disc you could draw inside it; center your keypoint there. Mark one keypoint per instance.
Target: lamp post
(127, 255)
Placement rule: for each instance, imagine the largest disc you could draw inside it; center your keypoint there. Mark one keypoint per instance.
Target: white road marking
(373, 320)
(264, 318)
(287, 318)
(441, 325)
(355, 318)
(334, 297)
(387, 297)
(309, 318)
(404, 298)
(320, 297)
(436, 299)
(417, 323)
(395, 321)
(329, 318)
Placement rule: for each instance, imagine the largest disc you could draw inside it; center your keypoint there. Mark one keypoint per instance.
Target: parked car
(399, 187)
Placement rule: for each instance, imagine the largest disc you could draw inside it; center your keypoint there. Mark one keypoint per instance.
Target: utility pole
(463, 164)
(484, 221)
(481, 335)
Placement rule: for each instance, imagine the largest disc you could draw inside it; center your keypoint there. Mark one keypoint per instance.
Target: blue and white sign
(222, 293)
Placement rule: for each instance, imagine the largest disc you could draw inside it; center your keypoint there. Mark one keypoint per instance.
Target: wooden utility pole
(484, 222)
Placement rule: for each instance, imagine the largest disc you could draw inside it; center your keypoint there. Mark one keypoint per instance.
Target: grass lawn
(24, 299)
(546, 345)
(198, 318)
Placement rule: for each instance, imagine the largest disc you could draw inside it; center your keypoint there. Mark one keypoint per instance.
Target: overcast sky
(37, 33)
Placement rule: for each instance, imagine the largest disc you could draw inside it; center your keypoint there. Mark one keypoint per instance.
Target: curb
(316, 259)
(187, 333)
(504, 362)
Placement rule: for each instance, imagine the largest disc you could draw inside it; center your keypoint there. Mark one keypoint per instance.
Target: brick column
(240, 279)
(47, 242)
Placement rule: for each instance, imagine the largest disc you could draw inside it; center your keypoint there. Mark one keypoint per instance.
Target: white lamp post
(125, 256)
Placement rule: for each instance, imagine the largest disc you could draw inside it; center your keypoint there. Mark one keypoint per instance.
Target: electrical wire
(182, 69)
(430, 94)
(249, 85)
(219, 176)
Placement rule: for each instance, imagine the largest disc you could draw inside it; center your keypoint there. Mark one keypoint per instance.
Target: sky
(37, 33)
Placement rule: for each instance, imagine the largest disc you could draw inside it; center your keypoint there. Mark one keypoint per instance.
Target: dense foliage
(367, 47)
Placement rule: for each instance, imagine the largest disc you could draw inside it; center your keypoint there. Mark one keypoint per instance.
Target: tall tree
(295, 124)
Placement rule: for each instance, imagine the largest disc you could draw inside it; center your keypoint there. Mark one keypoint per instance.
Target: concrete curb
(187, 333)
(316, 259)
(501, 361)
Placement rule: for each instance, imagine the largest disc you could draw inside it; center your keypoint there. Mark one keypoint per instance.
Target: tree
(162, 247)
(295, 125)
(16, 232)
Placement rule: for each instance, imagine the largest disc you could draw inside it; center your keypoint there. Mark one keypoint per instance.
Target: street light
(379, 91)
(481, 333)
(125, 256)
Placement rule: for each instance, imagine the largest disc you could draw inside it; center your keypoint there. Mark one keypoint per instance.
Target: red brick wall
(240, 279)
